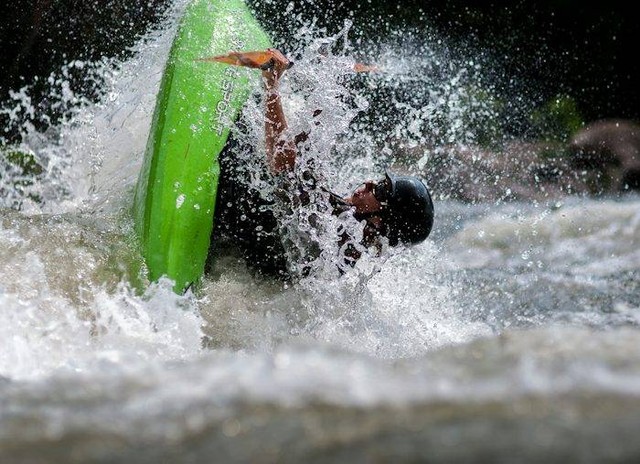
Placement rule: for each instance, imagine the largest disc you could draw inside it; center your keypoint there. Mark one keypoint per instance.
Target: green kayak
(196, 105)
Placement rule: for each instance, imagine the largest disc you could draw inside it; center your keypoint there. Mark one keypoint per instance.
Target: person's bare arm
(281, 150)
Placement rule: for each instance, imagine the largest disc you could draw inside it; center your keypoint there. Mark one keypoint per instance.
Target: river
(510, 335)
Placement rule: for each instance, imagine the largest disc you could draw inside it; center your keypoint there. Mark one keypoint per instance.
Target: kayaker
(396, 207)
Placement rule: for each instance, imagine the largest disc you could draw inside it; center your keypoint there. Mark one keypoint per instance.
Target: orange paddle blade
(248, 59)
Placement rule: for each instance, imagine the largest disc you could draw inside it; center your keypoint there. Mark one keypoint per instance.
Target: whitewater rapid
(512, 333)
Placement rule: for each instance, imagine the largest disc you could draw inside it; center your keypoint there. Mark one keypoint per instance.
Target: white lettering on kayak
(231, 73)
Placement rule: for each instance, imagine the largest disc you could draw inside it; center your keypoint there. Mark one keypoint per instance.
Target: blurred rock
(609, 150)
(602, 158)
(520, 171)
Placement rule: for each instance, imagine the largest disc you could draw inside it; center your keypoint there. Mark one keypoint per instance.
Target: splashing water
(365, 310)
(402, 353)
(80, 221)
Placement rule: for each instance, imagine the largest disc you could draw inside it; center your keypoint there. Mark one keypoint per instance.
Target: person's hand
(274, 67)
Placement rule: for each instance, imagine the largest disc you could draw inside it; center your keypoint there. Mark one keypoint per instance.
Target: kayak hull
(195, 108)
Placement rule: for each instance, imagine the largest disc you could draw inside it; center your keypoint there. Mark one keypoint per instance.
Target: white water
(518, 314)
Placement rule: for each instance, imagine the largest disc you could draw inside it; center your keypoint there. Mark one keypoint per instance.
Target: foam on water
(391, 310)
(598, 238)
(540, 391)
(64, 307)
(50, 334)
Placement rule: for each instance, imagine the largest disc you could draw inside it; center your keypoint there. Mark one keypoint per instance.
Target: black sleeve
(245, 219)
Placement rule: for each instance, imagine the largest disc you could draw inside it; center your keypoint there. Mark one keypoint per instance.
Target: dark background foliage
(37, 37)
(585, 49)
(544, 47)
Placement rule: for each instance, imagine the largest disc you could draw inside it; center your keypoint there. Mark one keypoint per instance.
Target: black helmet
(409, 210)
